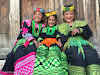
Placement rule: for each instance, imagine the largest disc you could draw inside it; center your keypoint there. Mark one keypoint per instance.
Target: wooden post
(98, 19)
(14, 18)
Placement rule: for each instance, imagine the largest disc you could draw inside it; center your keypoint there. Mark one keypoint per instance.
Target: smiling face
(51, 21)
(37, 16)
(69, 16)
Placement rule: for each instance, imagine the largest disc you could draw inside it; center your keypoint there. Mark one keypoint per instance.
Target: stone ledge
(1, 63)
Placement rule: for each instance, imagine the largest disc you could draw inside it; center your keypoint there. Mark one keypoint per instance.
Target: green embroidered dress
(50, 60)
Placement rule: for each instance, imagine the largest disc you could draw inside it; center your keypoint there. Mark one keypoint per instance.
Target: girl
(21, 59)
(82, 56)
(49, 59)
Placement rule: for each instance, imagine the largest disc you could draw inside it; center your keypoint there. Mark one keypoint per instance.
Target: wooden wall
(28, 5)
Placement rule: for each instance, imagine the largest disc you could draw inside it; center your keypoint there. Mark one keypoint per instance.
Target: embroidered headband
(39, 9)
(50, 13)
(68, 8)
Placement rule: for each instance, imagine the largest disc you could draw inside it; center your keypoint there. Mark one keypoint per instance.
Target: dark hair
(43, 18)
(48, 18)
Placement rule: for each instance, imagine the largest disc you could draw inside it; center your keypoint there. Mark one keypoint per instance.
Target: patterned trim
(71, 8)
(49, 41)
(6, 73)
(50, 13)
(39, 9)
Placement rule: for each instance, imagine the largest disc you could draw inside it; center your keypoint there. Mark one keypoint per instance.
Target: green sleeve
(39, 39)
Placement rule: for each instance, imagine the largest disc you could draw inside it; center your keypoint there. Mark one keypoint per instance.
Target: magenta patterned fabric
(25, 65)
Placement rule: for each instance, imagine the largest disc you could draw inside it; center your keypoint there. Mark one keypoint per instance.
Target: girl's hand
(59, 44)
(75, 31)
(30, 38)
(39, 44)
(35, 43)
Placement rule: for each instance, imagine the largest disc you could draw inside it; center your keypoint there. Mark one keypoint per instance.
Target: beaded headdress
(39, 9)
(68, 7)
(50, 13)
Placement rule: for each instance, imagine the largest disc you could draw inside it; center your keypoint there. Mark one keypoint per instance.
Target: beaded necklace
(51, 30)
(34, 32)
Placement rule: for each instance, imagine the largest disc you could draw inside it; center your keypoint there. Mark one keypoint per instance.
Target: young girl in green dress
(49, 58)
(82, 56)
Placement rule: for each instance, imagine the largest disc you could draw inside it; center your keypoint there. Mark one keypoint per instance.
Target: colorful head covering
(50, 13)
(39, 9)
(68, 7)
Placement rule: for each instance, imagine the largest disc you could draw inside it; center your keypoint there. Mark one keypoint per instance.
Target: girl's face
(37, 17)
(69, 16)
(51, 21)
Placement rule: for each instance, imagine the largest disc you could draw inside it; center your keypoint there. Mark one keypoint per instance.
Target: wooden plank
(26, 9)
(85, 3)
(4, 14)
(47, 4)
(43, 4)
(80, 11)
(4, 24)
(92, 15)
(28, 5)
(61, 3)
(51, 4)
